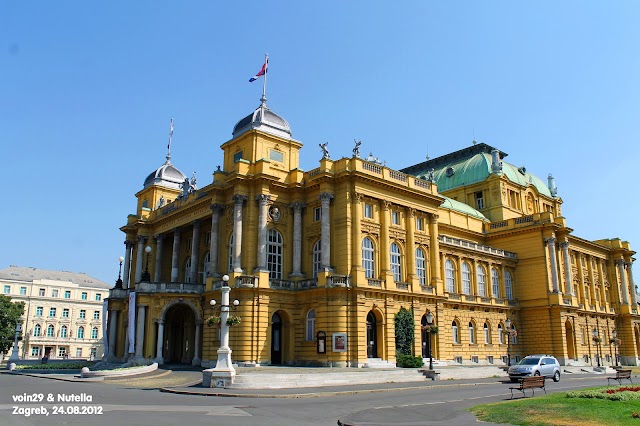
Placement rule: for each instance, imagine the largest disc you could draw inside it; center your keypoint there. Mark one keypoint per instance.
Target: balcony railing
(186, 288)
(338, 281)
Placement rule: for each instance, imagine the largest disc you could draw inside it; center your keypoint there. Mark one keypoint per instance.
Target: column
(158, 266)
(356, 232)
(159, 359)
(564, 245)
(632, 285)
(297, 238)
(196, 354)
(325, 231)
(113, 323)
(140, 257)
(434, 250)
(623, 281)
(238, 200)
(140, 332)
(127, 263)
(410, 255)
(551, 246)
(385, 220)
(175, 257)
(215, 235)
(195, 251)
(262, 200)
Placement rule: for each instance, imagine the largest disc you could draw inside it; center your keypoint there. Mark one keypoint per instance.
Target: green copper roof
(462, 208)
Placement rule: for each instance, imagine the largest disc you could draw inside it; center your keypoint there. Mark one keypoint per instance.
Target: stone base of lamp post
(223, 374)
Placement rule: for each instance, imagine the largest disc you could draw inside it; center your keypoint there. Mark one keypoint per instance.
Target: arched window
(472, 333)
(466, 278)
(207, 266)
(508, 285)
(94, 333)
(311, 325)
(421, 266)
(80, 332)
(500, 334)
(495, 283)
(50, 331)
(368, 262)
(63, 331)
(514, 335)
(317, 258)
(37, 330)
(455, 333)
(187, 270)
(230, 265)
(396, 266)
(450, 276)
(482, 281)
(487, 334)
(274, 254)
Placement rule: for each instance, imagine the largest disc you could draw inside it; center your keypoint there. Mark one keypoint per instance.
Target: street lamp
(14, 354)
(614, 333)
(429, 323)
(146, 276)
(119, 280)
(596, 341)
(507, 324)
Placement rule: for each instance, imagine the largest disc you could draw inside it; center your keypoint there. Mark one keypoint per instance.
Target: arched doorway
(570, 336)
(372, 336)
(276, 339)
(179, 335)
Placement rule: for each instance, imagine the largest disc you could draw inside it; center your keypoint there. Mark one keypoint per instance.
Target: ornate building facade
(338, 250)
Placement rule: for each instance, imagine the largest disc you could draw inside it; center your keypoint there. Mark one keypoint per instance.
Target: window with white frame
(500, 334)
(395, 259)
(41, 292)
(52, 312)
(230, 265)
(421, 266)
(419, 224)
(61, 351)
(94, 333)
(7, 289)
(206, 266)
(274, 254)
(23, 291)
(37, 330)
(54, 292)
(316, 259)
(450, 277)
(35, 351)
(64, 331)
(508, 285)
(50, 331)
(487, 334)
(311, 325)
(187, 270)
(472, 334)
(39, 310)
(368, 211)
(368, 262)
(98, 297)
(455, 333)
(67, 294)
(83, 314)
(65, 313)
(80, 332)
(78, 352)
(495, 283)
(83, 296)
(466, 278)
(482, 281)
(96, 315)
(395, 217)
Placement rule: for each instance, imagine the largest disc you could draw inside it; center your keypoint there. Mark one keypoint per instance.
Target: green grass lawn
(558, 409)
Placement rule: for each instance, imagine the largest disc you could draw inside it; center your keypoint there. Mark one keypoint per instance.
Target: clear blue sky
(87, 90)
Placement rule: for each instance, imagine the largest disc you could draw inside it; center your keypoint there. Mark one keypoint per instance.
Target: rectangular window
(189, 244)
(65, 313)
(54, 292)
(41, 292)
(83, 296)
(23, 291)
(61, 352)
(276, 155)
(474, 359)
(78, 352)
(35, 351)
(67, 294)
(83, 314)
(96, 315)
(395, 218)
(419, 224)
(457, 359)
(479, 200)
(39, 310)
(98, 297)
(7, 289)
(489, 359)
(368, 211)
(237, 156)
(317, 214)
(52, 312)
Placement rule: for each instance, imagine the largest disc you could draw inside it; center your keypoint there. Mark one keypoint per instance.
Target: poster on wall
(339, 342)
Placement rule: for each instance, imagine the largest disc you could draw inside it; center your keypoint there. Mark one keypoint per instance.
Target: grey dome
(166, 175)
(265, 120)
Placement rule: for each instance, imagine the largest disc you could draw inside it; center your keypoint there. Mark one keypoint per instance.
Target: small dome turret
(265, 120)
(166, 175)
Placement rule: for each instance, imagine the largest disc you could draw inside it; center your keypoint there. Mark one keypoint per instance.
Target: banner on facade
(132, 322)
(105, 336)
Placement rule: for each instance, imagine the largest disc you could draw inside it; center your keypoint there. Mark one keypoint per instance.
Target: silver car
(536, 365)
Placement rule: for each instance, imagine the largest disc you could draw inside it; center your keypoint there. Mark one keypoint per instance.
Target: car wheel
(556, 376)
(537, 373)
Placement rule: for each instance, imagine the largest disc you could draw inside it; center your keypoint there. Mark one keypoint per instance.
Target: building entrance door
(179, 335)
(276, 339)
(372, 336)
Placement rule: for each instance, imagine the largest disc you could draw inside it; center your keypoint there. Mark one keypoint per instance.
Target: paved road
(122, 404)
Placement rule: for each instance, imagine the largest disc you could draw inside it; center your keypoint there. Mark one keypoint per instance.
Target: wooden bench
(529, 382)
(621, 375)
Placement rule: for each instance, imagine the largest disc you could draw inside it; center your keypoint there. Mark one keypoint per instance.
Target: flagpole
(170, 137)
(264, 83)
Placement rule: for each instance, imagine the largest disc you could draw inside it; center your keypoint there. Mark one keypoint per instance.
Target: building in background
(62, 313)
(337, 251)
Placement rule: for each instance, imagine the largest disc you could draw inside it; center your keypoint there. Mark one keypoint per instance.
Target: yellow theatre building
(337, 251)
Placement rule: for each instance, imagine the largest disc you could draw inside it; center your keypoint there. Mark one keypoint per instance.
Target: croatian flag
(262, 72)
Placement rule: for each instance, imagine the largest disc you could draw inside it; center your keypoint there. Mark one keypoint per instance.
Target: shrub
(55, 366)
(409, 361)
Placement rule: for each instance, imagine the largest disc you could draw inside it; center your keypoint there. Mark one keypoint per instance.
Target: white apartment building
(63, 314)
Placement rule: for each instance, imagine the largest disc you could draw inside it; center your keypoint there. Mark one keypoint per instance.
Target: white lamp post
(507, 324)
(14, 353)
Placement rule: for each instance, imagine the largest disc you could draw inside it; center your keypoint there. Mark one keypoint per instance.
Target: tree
(10, 313)
(405, 331)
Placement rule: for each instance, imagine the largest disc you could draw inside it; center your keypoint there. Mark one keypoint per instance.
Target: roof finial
(169, 146)
(428, 158)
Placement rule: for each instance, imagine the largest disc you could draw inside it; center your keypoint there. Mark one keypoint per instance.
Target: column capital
(386, 204)
(550, 241)
(159, 237)
(217, 208)
(263, 199)
(196, 223)
(129, 243)
(412, 212)
(434, 217)
(239, 199)
(564, 244)
(297, 206)
(141, 239)
(326, 196)
(160, 321)
(620, 262)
